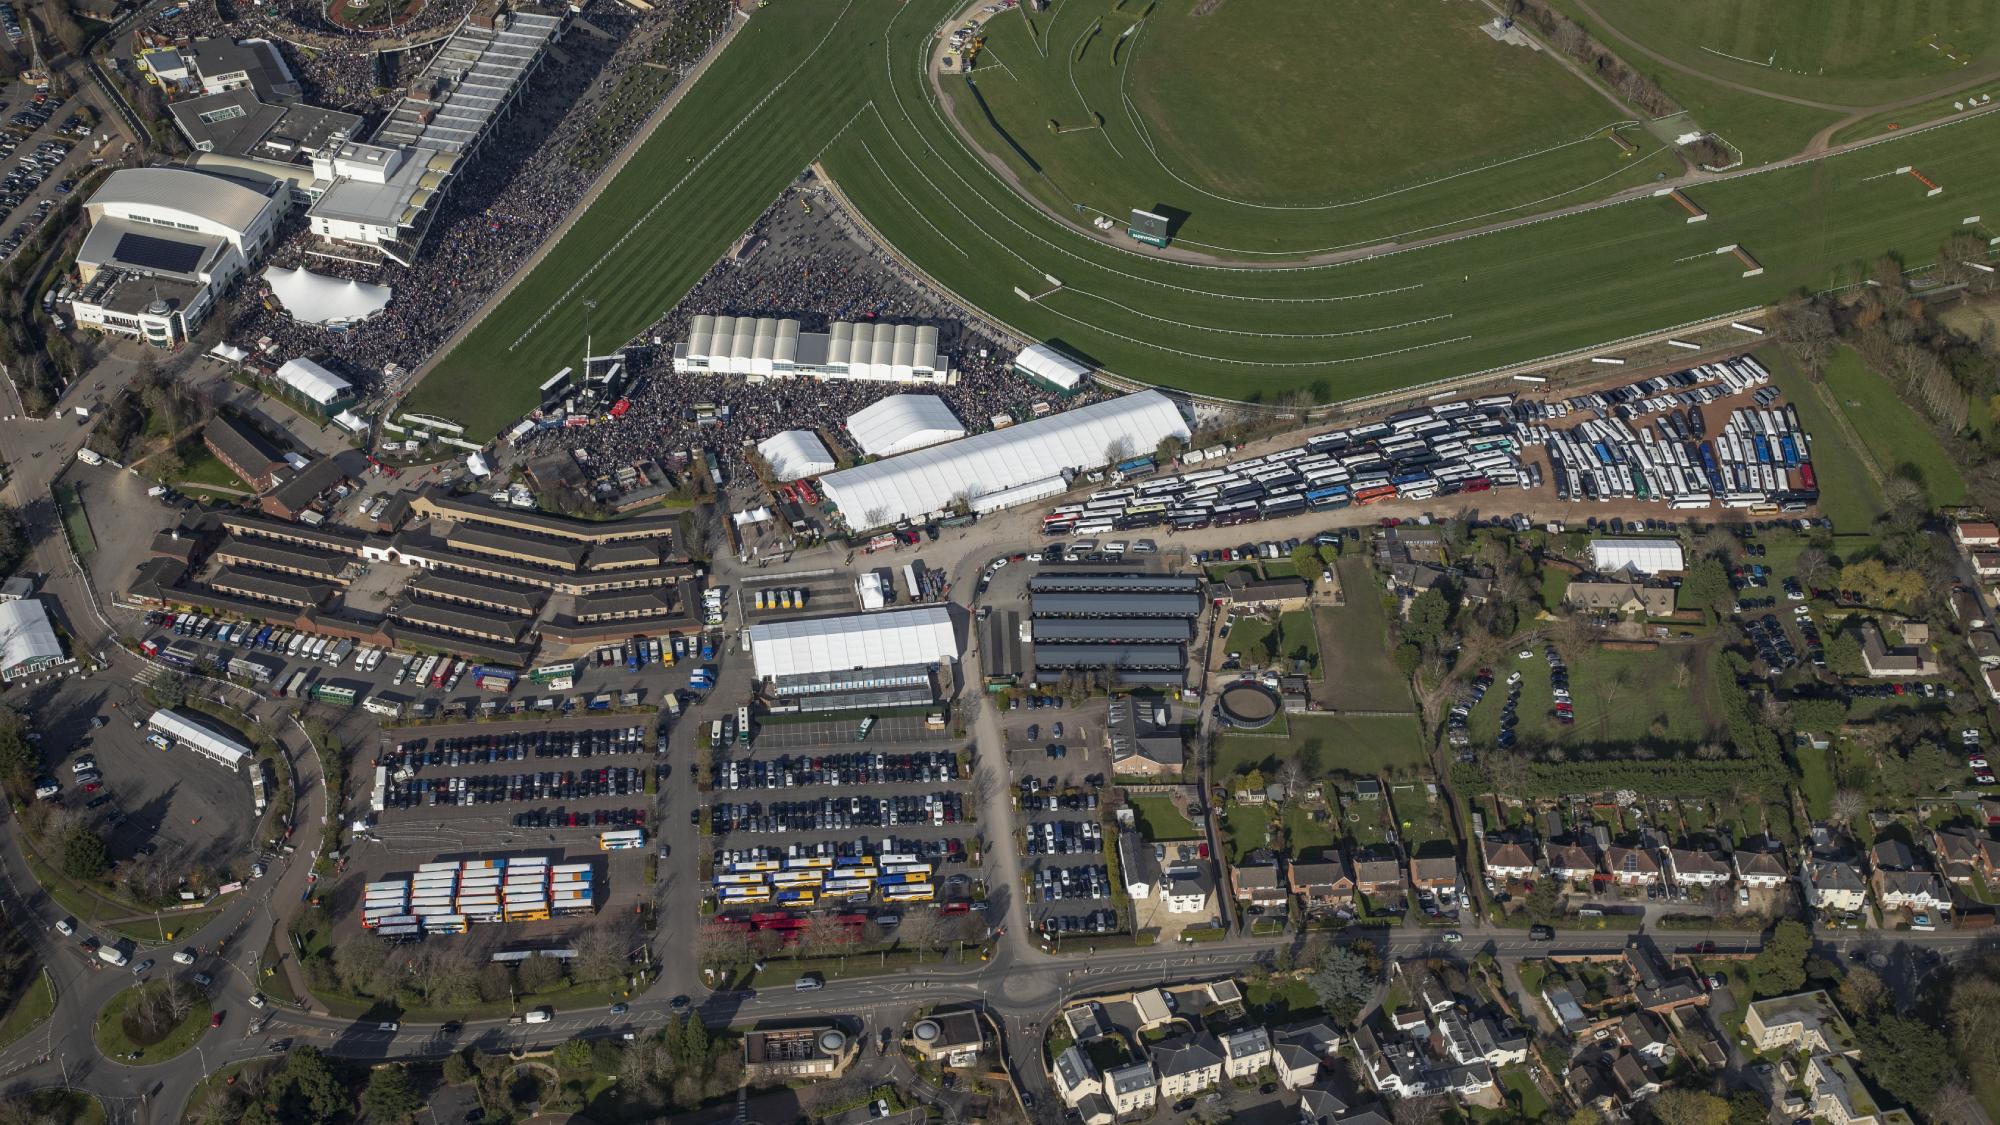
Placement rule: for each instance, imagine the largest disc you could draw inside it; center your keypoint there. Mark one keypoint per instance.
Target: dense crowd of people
(814, 267)
(502, 206)
(335, 70)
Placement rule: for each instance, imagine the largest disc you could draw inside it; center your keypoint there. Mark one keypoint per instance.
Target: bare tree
(921, 931)
(1422, 1110)
(1846, 807)
(178, 1000)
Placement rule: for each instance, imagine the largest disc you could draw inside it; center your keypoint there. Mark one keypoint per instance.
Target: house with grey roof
(1131, 1088)
(1188, 1064)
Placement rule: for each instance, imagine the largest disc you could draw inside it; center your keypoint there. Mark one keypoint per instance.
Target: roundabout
(152, 1022)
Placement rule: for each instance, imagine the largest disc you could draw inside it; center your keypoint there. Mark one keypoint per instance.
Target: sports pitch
(846, 84)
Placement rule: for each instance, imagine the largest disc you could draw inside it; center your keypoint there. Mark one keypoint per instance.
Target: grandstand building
(164, 244)
(764, 348)
(382, 195)
(1001, 468)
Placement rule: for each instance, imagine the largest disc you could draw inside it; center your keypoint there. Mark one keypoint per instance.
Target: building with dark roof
(501, 597)
(244, 451)
(438, 504)
(1144, 737)
(240, 123)
(1273, 593)
(534, 550)
(294, 559)
(305, 488)
(270, 586)
(1187, 1065)
(459, 620)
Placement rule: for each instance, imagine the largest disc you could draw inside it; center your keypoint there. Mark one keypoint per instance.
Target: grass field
(31, 1007)
(1901, 443)
(203, 467)
(1348, 745)
(75, 522)
(1358, 674)
(1233, 119)
(846, 83)
(1848, 495)
(1622, 699)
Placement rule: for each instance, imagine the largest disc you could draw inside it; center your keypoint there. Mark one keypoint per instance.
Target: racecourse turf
(846, 83)
(1236, 120)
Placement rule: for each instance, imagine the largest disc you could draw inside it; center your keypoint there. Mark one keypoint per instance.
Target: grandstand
(766, 348)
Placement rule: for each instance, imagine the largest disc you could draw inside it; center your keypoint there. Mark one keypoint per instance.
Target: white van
(539, 1015)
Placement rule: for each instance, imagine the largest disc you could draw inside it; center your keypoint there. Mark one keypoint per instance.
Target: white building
(1636, 556)
(918, 635)
(1051, 368)
(28, 642)
(1185, 890)
(199, 738)
(316, 384)
(1131, 1088)
(901, 423)
(1246, 1052)
(164, 243)
(1833, 886)
(795, 453)
(929, 481)
(762, 347)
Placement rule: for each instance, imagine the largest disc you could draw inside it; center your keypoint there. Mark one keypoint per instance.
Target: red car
(215, 1020)
(93, 787)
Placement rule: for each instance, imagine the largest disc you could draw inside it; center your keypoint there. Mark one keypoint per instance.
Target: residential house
(1185, 889)
(1187, 1065)
(1153, 1008)
(1075, 1077)
(1632, 1079)
(1319, 1038)
(1648, 1037)
(1803, 1021)
(1903, 661)
(1957, 852)
(1632, 867)
(1398, 1066)
(1694, 867)
(1245, 1052)
(1322, 884)
(1572, 863)
(1568, 1012)
(1597, 595)
(1839, 1097)
(1989, 858)
(1378, 875)
(1321, 1106)
(1258, 885)
(1966, 608)
(1296, 1064)
(1137, 864)
(1976, 533)
(1467, 1081)
(1833, 886)
(1986, 564)
(1895, 855)
(1453, 1037)
(1760, 870)
(1588, 1085)
(1434, 872)
(1131, 1088)
(1916, 891)
(1506, 860)
(1985, 647)
(1659, 987)
(1499, 1042)
(1087, 1021)
(1411, 579)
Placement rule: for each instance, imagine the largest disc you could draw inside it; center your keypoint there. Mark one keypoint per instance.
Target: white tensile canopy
(318, 299)
(900, 423)
(796, 453)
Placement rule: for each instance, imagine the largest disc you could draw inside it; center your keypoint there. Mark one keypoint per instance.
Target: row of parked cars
(1066, 925)
(490, 789)
(1065, 837)
(515, 746)
(844, 851)
(1062, 884)
(787, 772)
(835, 813)
(601, 818)
(276, 639)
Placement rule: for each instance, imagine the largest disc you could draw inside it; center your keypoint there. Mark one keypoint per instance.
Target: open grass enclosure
(1848, 493)
(847, 84)
(1901, 444)
(1655, 699)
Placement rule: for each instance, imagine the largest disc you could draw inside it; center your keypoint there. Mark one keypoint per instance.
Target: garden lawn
(1357, 671)
(844, 83)
(1246, 827)
(1298, 640)
(75, 522)
(203, 467)
(1815, 780)
(1348, 745)
(1901, 443)
(1277, 1000)
(1158, 819)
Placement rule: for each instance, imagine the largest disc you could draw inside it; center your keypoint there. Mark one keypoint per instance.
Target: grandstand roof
(796, 453)
(901, 423)
(928, 480)
(224, 202)
(917, 635)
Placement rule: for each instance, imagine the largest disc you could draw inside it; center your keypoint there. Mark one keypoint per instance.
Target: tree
(1429, 613)
(1344, 980)
(390, 1095)
(1814, 568)
(84, 854)
(1706, 586)
(458, 1069)
(313, 1090)
(1422, 1109)
(1804, 328)
(1847, 806)
(1862, 993)
(1689, 1107)
(1881, 585)
(539, 973)
(571, 1057)
(1311, 757)
(1780, 967)
(1909, 1059)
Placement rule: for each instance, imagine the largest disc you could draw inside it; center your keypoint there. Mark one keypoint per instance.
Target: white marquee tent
(313, 381)
(917, 635)
(199, 738)
(927, 481)
(1042, 362)
(901, 423)
(1643, 556)
(27, 640)
(318, 299)
(795, 453)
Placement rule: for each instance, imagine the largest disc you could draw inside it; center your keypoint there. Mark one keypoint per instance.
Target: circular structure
(926, 1031)
(1248, 705)
(138, 1027)
(832, 1042)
